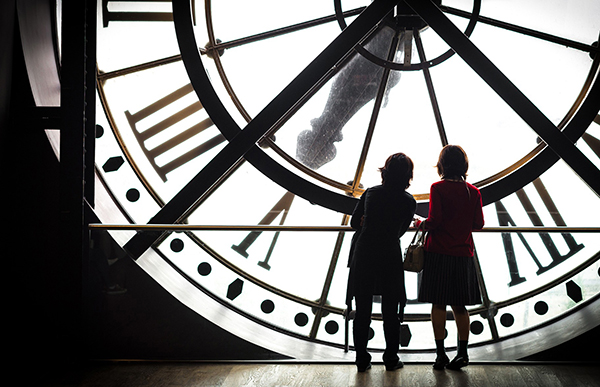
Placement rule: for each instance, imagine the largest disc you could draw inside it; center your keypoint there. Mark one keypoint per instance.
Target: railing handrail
(188, 227)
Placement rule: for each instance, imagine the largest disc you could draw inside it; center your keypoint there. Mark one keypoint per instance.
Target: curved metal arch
(412, 67)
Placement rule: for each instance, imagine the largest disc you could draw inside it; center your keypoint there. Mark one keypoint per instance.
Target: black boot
(442, 359)
(462, 358)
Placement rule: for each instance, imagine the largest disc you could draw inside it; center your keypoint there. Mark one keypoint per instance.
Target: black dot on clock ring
(507, 320)
(476, 327)
(204, 269)
(332, 327)
(267, 306)
(301, 319)
(99, 131)
(371, 333)
(176, 245)
(133, 195)
(541, 308)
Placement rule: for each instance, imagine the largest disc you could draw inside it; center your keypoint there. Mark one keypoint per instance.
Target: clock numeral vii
(160, 127)
(281, 207)
(505, 219)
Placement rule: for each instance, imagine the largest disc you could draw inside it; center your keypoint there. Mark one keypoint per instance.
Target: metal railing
(187, 227)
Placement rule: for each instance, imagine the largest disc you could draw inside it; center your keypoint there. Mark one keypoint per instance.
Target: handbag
(414, 255)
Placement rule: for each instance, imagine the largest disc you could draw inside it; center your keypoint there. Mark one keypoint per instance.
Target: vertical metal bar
(90, 105)
(375, 115)
(490, 309)
(77, 32)
(328, 279)
(430, 89)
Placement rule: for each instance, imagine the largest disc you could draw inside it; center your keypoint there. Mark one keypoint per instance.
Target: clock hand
(268, 117)
(555, 139)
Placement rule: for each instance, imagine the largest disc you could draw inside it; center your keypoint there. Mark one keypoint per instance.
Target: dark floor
(184, 374)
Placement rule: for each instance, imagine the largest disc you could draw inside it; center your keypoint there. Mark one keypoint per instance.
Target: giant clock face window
(402, 89)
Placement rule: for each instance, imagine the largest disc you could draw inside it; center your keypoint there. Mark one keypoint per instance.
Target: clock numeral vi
(505, 219)
(154, 153)
(281, 207)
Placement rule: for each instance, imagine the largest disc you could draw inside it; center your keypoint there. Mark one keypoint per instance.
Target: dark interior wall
(144, 323)
(30, 200)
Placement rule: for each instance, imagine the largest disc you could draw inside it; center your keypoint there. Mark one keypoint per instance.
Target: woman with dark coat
(382, 216)
(449, 275)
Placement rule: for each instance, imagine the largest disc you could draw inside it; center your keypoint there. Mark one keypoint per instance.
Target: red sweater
(455, 210)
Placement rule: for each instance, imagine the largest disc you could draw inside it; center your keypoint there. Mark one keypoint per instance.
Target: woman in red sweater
(449, 276)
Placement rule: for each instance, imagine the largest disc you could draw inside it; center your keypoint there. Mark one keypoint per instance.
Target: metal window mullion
(430, 88)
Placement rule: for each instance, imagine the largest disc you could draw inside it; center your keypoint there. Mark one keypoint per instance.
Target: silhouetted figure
(103, 253)
(383, 214)
(449, 275)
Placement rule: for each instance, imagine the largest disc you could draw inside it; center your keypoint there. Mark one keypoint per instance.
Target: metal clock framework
(254, 140)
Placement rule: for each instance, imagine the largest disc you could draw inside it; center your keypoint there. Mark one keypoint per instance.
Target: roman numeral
(504, 219)
(138, 12)
(167, 123)
(281, 207)
(592, 141)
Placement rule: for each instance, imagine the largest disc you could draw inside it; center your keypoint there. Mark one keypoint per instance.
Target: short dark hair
(453, 162)
(397, 171)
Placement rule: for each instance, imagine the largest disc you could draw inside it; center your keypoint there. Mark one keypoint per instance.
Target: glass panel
(332, 330)
(550, 304)
(472, 114)
(568, 19)
(156, 126)
(519, 57)
(298, 260)
(124, 183)
(571, 249)
(125, 44)
(268, 64)
(212, 276)
(400, 130)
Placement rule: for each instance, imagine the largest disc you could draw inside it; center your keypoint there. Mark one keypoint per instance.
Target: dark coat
(376, 258)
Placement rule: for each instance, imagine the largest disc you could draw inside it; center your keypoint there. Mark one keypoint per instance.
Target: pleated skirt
(449, 280)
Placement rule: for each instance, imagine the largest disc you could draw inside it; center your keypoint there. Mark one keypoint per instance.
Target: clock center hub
(406, 18)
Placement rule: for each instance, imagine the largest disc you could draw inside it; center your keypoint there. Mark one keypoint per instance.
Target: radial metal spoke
(524, 31)
(245, 141)
(430, 89)
(140, 67)
(329, 279)
(375, 115)
(521, 105)
(229, 44)
(280, 31)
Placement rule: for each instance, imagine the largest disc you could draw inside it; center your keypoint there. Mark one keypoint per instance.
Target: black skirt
(449, 280)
